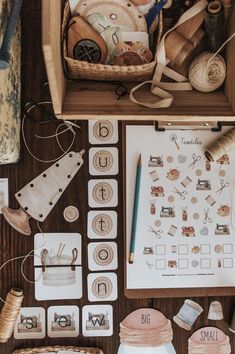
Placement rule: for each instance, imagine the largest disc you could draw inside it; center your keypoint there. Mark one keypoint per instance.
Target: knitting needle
(135, 210)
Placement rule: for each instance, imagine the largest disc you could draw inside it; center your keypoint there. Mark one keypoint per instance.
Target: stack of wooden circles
(146, 331)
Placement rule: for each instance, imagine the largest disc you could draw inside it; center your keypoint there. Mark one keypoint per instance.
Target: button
(87, 50)
(71, 213)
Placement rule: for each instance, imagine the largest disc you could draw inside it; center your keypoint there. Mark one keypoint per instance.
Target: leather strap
(181, 83)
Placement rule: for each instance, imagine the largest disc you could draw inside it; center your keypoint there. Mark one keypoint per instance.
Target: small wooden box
(97, 100)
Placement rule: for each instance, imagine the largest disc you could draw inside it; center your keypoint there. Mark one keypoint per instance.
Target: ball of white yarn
(207, 75)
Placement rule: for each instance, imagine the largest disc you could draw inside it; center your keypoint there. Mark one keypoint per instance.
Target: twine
(10, 313)
(215, 348)
(68, 126)
(221, 146)
(146, 337)
(207, 72)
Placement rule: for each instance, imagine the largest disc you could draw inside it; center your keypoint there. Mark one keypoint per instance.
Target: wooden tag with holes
(84, 43)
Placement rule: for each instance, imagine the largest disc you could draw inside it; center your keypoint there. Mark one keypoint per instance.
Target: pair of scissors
(195, 160)
(157, 233)
(207, 218)
(181, 194)
(223, 185)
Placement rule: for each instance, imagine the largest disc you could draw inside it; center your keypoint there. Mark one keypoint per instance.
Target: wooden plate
(119, 12)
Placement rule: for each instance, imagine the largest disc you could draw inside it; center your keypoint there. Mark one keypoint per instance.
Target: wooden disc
(119, 12)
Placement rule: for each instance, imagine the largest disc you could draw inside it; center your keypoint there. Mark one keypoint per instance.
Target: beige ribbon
(146, 338)
(215, 348)
(160, 88)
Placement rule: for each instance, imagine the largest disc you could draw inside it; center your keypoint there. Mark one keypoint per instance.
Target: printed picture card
(57, 265)
(103, 132)
(102, 287)
(103, 161)
(30, 323)
(4, 193)
(102, 224)
(102, 256)
(97, 321)
(63, 321)
(103, 193)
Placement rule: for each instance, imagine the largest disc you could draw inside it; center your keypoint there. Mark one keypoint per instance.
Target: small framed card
(30, 323)
(97, 321)
(102, 256)
(103, 161)
(102, 224)
(4, 193)
(102, 287)
(63, 321)
(103, 193)
(103, 132)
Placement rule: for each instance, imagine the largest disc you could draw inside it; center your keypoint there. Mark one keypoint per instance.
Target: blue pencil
(135, 210)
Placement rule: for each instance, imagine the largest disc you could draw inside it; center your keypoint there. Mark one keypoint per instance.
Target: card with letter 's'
(30, 323)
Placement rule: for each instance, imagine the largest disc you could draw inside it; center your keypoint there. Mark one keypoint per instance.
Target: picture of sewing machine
(157, 191)
(203, 185)
(224, 160)
(155, 161)
(222, 230)
(148, 250)
(63, 322)
(29, 324)
(167, 212)
(97, 321)
(172, 264)
(188, 231)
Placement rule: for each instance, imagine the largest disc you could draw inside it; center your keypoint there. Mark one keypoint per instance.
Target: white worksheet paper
(202, 256)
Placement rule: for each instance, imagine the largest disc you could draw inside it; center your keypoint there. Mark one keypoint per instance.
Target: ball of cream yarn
(207, 75)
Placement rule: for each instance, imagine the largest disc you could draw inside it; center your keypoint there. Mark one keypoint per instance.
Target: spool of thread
(188, 314)
(207, 73)
(232, 325)
(221, 146)
(228, 8)
(214, 24)
(10, 313)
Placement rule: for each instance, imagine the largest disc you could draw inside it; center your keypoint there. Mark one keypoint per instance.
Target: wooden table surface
(13, 244)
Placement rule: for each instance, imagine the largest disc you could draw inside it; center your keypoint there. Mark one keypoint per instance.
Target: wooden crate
(97, 100)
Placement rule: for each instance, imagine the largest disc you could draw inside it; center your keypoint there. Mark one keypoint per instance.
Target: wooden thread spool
(9, 313)
(207, 72)
(214, 25)
(228, 8)
(181, 42)
(188, 314)
(221, 146)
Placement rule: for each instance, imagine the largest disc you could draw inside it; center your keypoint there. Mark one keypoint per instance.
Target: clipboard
(153, 292)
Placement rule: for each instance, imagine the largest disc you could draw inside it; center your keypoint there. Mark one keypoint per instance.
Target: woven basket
(57, 348)
(76, 69)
